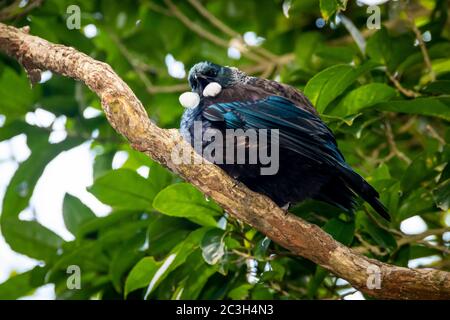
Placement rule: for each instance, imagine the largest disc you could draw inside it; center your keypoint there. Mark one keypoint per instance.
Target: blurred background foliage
(384, 92)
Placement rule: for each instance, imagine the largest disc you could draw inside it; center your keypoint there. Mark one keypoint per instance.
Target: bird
(310, 164)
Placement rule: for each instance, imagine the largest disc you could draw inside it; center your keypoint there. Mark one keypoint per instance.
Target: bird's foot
(286, 208)
(237, 183)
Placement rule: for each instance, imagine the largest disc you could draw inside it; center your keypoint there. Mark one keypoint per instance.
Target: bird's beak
(202, 82)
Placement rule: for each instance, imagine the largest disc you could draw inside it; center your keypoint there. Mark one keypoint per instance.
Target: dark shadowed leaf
(442, 195)
(436, 107)
(340, 230)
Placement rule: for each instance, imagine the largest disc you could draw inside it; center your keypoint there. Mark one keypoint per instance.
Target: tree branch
(127, 115)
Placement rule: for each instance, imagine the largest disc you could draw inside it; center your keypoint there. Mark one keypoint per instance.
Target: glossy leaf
(124, 189)
(328, 84)
(75, 213)
(31, 238)
(183, 200)
(363, 97)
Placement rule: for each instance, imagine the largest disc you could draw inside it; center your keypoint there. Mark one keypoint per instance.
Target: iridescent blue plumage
(311, 165)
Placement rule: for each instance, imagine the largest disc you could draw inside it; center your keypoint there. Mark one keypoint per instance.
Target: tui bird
(310, 163)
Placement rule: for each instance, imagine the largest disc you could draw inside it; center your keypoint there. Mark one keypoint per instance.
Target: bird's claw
(285, 208)
(237, 183)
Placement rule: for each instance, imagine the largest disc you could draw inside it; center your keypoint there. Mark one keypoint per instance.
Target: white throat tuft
(212, 89)
(189, 99)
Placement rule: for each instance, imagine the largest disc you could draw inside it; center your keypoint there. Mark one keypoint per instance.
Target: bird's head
(206, 72)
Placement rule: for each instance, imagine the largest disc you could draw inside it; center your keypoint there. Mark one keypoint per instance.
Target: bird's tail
(364, 190)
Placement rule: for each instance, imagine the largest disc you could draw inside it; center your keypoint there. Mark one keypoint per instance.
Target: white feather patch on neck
(189, 99)
(212, 89)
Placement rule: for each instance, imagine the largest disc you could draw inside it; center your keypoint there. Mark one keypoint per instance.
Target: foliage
(163, 239)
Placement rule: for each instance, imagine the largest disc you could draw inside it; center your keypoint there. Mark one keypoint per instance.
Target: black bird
(310, 163)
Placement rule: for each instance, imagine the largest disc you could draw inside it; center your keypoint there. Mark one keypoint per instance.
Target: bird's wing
(299, 130)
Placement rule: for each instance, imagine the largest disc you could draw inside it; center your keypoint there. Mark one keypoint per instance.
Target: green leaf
(75, 213)
(363, 97)
(16, 127)
(93, 227)
(306, 45)
(124, 259)
(183, 200)
(213, 246)
(438, 87)
(261, 248)
(159, 176)
(124, 189)
(195, 274)
(316, 281)
(141, 274)
(195, 283)
(379, 47)
(31, 238)
(442, 195)
(419, 201)
(103, 164)
(20, 285)
(165, 232)
(329, 7)
(340, 230)
(25, 178)
(155, 272)
(430, 106)
(241, 292)
(382, 237)
(328, 84)
(389, 51)
(89, 256)
(10, 85)
(419, 170)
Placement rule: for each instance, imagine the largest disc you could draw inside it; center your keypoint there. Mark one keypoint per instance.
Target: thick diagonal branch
(127, 115)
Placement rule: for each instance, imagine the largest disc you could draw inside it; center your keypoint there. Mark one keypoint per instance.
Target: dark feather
(311, 165)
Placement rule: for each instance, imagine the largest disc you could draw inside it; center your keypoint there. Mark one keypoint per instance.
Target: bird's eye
(211, 73)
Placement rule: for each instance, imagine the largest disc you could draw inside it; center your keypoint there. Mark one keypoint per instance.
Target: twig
(168, 89)
(374, 249)
(393, 145)
(151, 89)
(434, 246)
(420, 236)
(14, 11)
(227, 30)
(398, 85)
(131, 60)
(435, 135)
(423, 47)
(159, 9)
(206, 34)
(341, 297)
